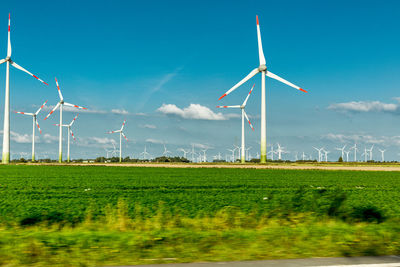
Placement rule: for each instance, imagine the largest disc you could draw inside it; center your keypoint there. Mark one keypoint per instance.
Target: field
(97, 215)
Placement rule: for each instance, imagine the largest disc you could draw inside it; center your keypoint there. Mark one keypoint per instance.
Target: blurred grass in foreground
(229, 235)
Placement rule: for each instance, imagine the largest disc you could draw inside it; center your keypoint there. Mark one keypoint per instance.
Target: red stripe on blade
(222, 96)
(257, 20)
(301, 89)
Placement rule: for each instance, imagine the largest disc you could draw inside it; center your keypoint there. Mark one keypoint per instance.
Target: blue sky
(125, 59)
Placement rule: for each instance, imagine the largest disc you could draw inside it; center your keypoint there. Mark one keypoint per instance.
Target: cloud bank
(366, 106)
(194, 112)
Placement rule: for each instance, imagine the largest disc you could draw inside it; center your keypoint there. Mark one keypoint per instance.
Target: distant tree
(100, 159)
(340, 159)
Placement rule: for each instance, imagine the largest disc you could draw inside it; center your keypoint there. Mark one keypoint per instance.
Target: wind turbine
(272, 152)
(382, 154)
(184, 152)
(263, 69)
(233, 154)
(120, 139)
(326, 154)
(279, 151)
(355, 151)
(166, 151)
(61, 105)
(144, 153)
(68, 126)
(204, 154)
(303, 156)
(319, 153)
(242, 107)
(35, 122)
(6, 129)
(365, 154)
(347, 155)
(341, 149)
(370, 152)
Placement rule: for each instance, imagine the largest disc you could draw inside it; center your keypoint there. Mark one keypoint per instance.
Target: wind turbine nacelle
(262, 68)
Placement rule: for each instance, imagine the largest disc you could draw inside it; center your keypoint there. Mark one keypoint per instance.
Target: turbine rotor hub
(262, 68)
(8, 58)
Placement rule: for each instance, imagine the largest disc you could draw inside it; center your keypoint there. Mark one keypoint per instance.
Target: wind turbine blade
(9, 38)
(117, 131)
(2, 61)
(15, 65)
(123, 125)
(124, 136)
(247, 98)
(37, 112)
(247, 118)
(276, 77)
(24, 113)
(72, 105)
(237, 106)
(54, 109)
(59, 90)
(72, 122)
(245, 79)
(40, 130)
(72, 134)
(260, 49)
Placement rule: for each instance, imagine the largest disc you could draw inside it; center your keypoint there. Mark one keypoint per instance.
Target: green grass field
(96, 215)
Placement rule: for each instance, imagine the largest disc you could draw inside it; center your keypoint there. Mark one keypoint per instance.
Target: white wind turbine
(61, 105)
(233, 154)
(382, 154)
(370, 152)
(365, 154)
(319, 153)
(68, 126)
(326, 155)
(166, 151)
(341, 149)
(303, 156)
(6, 129)
(279, 151)
(34, 124)
(204, 154)
(120, 131)
(185, 152)
(263, 69)
(347, 155)
(144, 153)
(242, 107)
(272, 152)
(355, 151)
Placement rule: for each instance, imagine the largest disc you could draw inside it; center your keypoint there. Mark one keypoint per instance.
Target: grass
(96, 215)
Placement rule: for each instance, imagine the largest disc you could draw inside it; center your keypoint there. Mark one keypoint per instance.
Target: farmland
(198, 214)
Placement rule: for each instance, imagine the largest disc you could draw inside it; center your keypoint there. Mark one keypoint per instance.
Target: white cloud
(148, 126)
(72, 109)
(201, 146)
(193, 111)
(47, 138)
(154, 141)
(20, 138)
(365, 106)
(120, 111)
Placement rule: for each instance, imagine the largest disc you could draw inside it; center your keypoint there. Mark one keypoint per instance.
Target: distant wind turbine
(35, 123)
(68, 126)
(244, 115)
(121, 133)
(61, 105)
